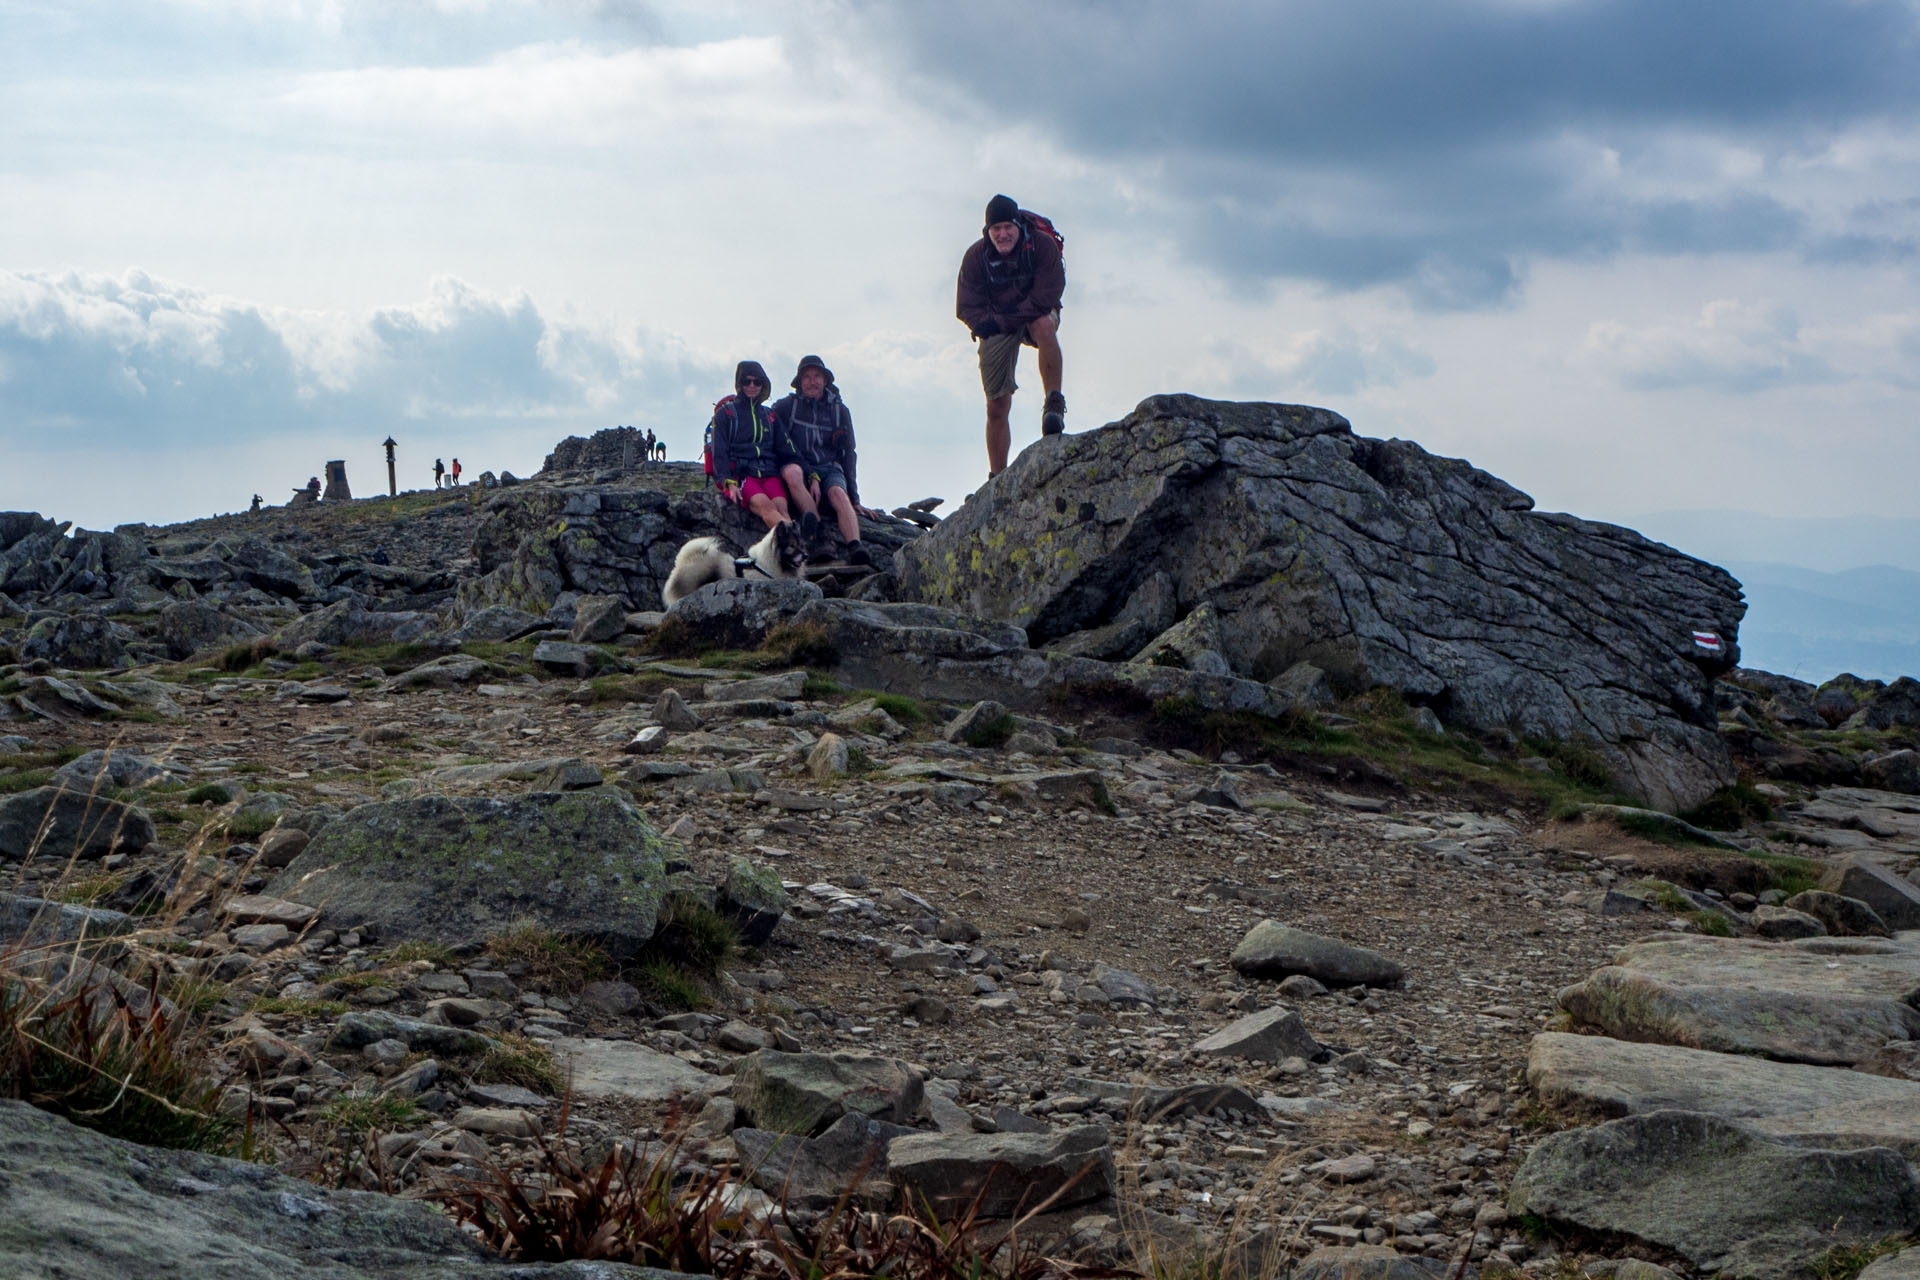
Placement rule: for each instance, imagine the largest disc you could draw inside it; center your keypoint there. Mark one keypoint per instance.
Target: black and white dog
(781, 554)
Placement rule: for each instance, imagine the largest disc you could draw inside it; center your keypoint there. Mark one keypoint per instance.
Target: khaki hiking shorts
(998, 355)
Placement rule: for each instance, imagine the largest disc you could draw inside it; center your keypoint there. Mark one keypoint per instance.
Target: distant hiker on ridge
(743, 453)
(1011, 280)
(817, 429)
(456, 473)
(439, 471)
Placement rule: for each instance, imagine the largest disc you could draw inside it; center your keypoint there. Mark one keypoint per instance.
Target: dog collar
(743, 563)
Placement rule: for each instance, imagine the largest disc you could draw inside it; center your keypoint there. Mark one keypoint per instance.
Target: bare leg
(843, 510)
(1046, 338)
(771, 510)
(797, 487)
(999, 434)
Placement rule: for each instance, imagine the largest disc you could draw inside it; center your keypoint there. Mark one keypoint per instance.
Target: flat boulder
(623, 1069)
(1725, 1198)
(187, 627)
(1839, 915)
(1790, 1101)
(583, 864)
(1271, 1035)
(737, 613)
(105, 770)
(1895, 901)
(1789, 1001)
(1005, 1173)
(63, 822)
(36, 922)
(440, 673)
(813, 1173)
(350, 622)
(805, 1092)
(1275, 950)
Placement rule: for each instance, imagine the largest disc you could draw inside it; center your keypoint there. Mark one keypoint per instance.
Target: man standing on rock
(1011, 280)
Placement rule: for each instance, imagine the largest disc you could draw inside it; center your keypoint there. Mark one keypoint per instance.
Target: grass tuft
(358, 1114)
(1730, 809)
(517, 1059)
(437, 954)
(108, 1057)
(558, 964)
(667, 987)
(910, 712)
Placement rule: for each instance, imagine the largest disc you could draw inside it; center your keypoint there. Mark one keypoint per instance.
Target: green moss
(299, 1008)
(908, 711)
(208, 793)
(16, 781)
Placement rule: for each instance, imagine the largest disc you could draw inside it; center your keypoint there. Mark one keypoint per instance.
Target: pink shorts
(769, 485)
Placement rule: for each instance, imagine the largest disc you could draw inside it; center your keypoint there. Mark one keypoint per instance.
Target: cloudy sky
(1629, 255)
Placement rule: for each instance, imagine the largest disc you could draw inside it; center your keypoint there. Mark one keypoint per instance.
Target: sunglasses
(753, 382)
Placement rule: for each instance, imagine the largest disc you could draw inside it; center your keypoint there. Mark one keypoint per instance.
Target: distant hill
(1825, 594)
(1813, 625)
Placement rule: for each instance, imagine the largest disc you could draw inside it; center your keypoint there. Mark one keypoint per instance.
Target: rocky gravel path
(1037, 929)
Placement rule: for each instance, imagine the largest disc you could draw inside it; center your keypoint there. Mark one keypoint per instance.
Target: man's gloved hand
(986, 328)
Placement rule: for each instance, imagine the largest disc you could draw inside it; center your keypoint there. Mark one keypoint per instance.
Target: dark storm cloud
(1435, 145)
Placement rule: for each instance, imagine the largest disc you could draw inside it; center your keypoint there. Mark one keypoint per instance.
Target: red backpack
(1039, 222)
(707, 448)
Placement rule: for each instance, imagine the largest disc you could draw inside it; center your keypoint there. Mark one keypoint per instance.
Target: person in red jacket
(1009, 293)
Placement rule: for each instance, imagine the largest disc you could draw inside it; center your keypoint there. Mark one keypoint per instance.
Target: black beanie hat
(1002, 209)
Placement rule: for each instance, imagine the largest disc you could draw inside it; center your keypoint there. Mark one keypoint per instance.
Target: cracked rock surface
(1253, 537)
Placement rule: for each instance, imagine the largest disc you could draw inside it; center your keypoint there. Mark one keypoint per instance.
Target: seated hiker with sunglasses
(744, 449)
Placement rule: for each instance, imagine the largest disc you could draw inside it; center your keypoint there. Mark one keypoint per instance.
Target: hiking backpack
(706, 449)
(1039, 222)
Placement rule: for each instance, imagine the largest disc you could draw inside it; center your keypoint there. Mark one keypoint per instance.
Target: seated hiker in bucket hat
(816, 427)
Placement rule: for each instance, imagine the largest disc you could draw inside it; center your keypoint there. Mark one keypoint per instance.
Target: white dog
(780, 554)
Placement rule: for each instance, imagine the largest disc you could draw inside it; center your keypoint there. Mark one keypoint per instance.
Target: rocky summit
(1252, 539)
(1251, 845)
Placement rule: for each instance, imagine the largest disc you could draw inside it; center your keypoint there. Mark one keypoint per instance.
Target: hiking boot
(857, 553)
(809, 527)
(1054, 420)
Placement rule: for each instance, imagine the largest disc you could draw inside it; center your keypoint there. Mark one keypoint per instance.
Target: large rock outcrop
(78, 1203)
(1251, 537)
